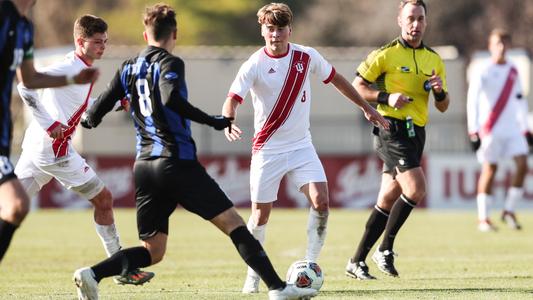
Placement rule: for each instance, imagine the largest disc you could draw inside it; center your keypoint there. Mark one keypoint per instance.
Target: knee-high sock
(484, 202)
(122, 262)
(398, 214)
(255, 257)
(316, 233)
(514, 194)
(259, 233)
(109, 237)
(6, 234)
(373, 230)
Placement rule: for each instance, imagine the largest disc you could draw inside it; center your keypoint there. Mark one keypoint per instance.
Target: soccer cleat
(385, 262)
(134, 277)
(486, 226)
(358, 270)
(86, 285)
(291, 292)
(509, 218)
(251, 284)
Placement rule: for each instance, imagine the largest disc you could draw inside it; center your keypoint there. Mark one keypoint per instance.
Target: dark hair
(278, 14)
(503, 34)
(403, 3)
(160, 19)
(87, 25)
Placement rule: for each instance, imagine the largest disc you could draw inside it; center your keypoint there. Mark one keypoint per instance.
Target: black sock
(122, 262)
(373, 230)
(6, 234)
(398, 214)
(253, 254)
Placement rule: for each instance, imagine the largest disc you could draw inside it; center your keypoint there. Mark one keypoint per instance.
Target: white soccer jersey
(281, 96)
(53, 106)
(495, 104)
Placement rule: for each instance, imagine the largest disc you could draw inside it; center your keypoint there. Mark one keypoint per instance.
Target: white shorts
(494, 148)
(71, 173)
(267, 170)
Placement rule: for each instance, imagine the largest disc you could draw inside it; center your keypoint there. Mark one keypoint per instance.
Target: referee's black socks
(122, 262)
(398, 214)
(255, 256)
(6, 234)
(374, 228)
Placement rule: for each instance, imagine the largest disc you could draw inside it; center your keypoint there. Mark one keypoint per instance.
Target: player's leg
(515, 192)
(484, 196)
(251, 251)
(266, 172)
(14, 205)
(389, 192)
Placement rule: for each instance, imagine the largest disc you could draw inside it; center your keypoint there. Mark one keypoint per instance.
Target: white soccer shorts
(71, 173)
(494, 148)
(267, 170)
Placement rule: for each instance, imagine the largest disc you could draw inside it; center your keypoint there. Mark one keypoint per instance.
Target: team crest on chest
(299, 66)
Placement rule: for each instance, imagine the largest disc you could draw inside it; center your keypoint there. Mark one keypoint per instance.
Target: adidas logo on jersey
(271, 71)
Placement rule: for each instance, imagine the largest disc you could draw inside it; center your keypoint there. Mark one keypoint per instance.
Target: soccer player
(167, 171)
(16, 56)
(278, 77)
(47, 149)
(497, 125)
(404, 72)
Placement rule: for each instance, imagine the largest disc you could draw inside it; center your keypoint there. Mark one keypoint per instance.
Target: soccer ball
(305, 274)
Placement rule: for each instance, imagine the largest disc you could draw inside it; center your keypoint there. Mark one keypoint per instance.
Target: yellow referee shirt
(399, 68)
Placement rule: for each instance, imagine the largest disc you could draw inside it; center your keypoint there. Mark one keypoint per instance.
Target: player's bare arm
(32, 79)
(345, 88)
(396, 100)
(229, 110)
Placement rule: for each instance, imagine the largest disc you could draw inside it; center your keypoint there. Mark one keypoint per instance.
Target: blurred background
(216, 36)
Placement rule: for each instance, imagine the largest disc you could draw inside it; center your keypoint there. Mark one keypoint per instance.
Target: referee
(399, 77)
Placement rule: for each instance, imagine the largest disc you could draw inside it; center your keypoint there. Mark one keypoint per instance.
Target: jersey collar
(406, 45)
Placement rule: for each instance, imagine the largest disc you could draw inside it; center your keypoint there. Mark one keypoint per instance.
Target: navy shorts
(163, 183)
(396, 149)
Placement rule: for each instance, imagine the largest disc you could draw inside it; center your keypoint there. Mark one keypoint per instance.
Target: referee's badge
(427, 86)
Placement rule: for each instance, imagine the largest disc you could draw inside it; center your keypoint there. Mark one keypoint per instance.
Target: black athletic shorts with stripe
(396, 149)
(163, 183)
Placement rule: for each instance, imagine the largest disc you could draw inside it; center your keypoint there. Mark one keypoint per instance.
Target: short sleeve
(372, 67)
(243, 81)
(320, 66)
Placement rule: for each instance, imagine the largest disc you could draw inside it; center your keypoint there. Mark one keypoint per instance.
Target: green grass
(441, 256)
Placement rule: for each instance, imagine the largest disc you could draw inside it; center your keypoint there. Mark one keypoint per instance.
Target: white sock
(259, 233)
(109, 237)
(316, 233)
(514, 194)
(483, 206)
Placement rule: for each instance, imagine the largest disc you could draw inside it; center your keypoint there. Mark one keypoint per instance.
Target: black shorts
(163, 183)
(7, 171)
(396, 149)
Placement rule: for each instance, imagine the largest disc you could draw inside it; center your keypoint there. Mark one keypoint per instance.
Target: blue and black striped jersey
(16, 45)
(154, 84)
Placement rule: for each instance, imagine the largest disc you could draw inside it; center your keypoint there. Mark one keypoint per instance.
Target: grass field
(441, 256)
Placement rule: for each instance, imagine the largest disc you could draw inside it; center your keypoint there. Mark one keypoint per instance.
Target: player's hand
(87, 75)
(475, 141)
(58, 132)
(220, 122)
(376, 118)
(85, 121)
(397, 100)
(435, 82)
(233, 134)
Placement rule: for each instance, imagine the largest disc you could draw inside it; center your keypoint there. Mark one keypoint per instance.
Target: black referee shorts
(396, 149)
(163, 183)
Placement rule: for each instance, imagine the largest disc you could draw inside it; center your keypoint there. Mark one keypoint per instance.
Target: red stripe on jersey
(292, 86)
(236, 97)
(500, 103)
(60, 146)
(331, 75)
